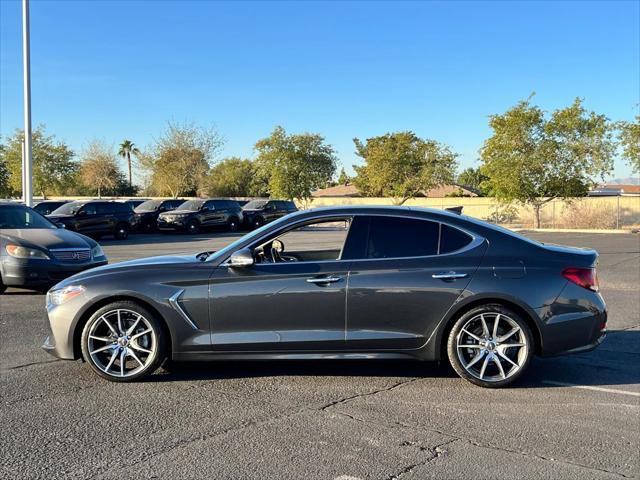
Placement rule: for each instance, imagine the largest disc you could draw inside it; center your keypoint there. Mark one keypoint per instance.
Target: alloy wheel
(122, 343)
(492, 347)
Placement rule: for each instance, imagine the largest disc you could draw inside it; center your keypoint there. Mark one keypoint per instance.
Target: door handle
(331, 279)
(449, 275)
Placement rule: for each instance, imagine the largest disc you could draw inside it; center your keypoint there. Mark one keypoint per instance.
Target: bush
(589, 215)
(506, 214)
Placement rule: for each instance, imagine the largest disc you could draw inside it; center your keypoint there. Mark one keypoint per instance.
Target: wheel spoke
(484, 366)
(113, 359)
(101, 349)
(135, 346)
(122, 355)
(113, 330)
(470, 346)
(475, 359)
(475, 337)
(496, 360)
(485, 328)
(141, 333)
(135, 324)
(508, 359)
(509, 345)
(495, 326)
(101, 339)
(135, 357)
(120, 323)
(508, 335)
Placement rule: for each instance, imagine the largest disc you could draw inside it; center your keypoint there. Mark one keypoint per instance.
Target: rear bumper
(573, 324)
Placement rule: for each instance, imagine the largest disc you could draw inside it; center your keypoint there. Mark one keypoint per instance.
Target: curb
(573, 230)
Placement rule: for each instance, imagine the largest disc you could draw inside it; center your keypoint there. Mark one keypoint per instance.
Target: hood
(129, 264)
(59, 218)
(49, 238)
(179, 212)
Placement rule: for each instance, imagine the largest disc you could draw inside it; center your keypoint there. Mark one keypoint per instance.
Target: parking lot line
(597, 389)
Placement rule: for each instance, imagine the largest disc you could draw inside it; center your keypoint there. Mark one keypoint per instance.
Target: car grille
(80, 255)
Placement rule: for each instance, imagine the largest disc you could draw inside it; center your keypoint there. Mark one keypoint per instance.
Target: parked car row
(98, 218)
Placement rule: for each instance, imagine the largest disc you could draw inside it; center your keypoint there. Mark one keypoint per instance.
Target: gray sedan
(36, 254)
(347, 283)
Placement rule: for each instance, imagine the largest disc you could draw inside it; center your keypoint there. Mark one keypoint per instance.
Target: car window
(452, 239)
(148, 206)
(22, 217)
(317, 241)
(209, 205)
(104, 208)
(123, 207)
(70, 208)
(291, 206)
(396, 237)
(89, 209)
(255, 204)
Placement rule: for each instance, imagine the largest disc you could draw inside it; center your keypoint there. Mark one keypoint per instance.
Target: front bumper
(40, 273)
(178, 224)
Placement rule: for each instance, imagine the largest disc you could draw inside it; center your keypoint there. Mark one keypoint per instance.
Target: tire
(257, 222)
(234, 224)
(121, 231)
(490, 360)
(193, 227)
(103, 350)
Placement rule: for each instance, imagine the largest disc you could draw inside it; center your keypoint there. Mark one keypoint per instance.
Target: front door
(292, 299)
(404, 282)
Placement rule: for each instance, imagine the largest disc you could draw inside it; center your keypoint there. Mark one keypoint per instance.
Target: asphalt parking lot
(571, 417)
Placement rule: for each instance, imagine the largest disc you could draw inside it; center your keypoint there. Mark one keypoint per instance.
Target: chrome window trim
(476, 239)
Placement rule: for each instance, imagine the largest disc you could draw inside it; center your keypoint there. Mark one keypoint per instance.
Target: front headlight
(18, 251)
(97, 251)
(62, 295)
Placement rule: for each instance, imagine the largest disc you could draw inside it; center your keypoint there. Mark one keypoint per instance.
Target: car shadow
(613, 363)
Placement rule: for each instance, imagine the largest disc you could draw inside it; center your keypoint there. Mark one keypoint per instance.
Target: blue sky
(115, 70)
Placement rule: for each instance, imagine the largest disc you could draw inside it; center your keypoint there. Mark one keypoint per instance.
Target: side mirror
(241, 258)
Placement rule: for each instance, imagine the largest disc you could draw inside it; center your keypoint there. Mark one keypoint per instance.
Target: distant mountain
(625, 181)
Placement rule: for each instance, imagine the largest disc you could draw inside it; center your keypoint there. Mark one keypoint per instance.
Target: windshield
(22, 217)
(255, 205)
(148, 206)
(191, 205)
(68, 209)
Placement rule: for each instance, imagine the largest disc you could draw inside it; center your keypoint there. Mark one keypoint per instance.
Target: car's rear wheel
(121, 231)
(193, 226)
(257, 222)
(234, 224)
(123, 342)
(490, 346)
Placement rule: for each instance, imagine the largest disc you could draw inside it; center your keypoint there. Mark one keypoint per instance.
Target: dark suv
(47, 207)
(258, 212)
(96, 218)
(147, 213)
(195, 215)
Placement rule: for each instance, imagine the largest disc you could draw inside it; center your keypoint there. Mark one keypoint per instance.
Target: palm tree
(127, 147)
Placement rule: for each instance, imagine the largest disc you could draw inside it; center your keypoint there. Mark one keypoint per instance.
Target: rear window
(394, 237)
(452, 239)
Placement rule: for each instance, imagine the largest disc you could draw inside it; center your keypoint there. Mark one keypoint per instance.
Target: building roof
(350, 190)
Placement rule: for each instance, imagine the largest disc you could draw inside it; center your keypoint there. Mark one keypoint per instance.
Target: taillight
(585, 277)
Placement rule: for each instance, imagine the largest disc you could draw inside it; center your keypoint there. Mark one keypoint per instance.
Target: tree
(180, 159)
(343, 179)
(5, 187)
(54, 168)
(473, 179)
(532, 159)
(127, 148)
(402, 165)
(99, 170)
(295, 165)
(234, 177)
(629, 135)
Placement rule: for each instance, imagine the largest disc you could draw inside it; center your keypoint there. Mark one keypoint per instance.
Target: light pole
(27, 158)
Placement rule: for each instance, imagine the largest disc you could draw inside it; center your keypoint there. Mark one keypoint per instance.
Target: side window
(318, 241)
(394, 237)
(270, 206)
(291, 207)
(105, 208)
(123, 207)
(452, 239)
(356, 244)
(209, 206)
(89, 209)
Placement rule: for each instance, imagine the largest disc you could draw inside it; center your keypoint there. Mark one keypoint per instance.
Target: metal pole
(22, 171)
(28, 170)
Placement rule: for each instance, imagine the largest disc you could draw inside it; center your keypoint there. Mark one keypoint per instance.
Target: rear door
(210, 214)
(106, 217)
(404, 276)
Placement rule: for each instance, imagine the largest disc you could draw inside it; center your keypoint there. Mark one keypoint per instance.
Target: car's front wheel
(121, 231)
(490, 346)
(123, 342)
